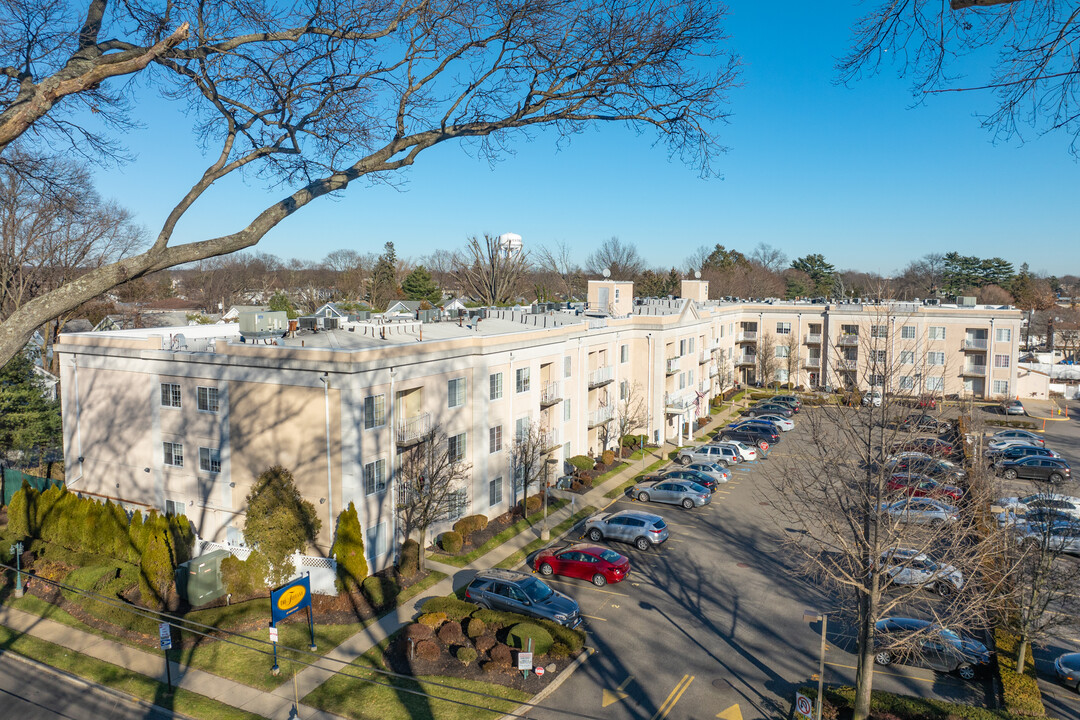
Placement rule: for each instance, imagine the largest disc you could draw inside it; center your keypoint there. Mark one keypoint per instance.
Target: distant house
(47, 382)
(405, 307)
(233, 315)
(455, 306)
(339, 310)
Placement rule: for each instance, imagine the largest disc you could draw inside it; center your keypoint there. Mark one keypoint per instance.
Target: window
(174, 454)
(234, 536)
(907, 382)
(935, 358)
(375, 477)
(567, 363)
(937, 332)
(781, 375)
(783, 328)
(782, 351)
(495, 439)
(522, 380)
(495, 491)
(1001, 387)
(457, 504)
(879, 331)
(935, 384)
(690, 377)
(521, 429)
(907, 332)
(682, 348)
(170, 395)
(210, 460)
(455, 392)
(375, 541)
(207, 399)
(1003, 335)
(566, 409)
(877, 380)
(879, 356)
(682, 380)
(456, 446)
(624, 389)
(690, 346)
(1001, 361)
(907, 357)
(174, 507)
(374, 411)
(495, 383)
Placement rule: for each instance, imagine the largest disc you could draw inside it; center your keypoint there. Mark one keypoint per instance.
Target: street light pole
(544, 534)
(810, 615)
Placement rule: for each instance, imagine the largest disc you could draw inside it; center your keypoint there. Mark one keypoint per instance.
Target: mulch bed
(495, 526)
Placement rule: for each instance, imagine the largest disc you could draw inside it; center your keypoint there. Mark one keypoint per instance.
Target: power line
(183, 624)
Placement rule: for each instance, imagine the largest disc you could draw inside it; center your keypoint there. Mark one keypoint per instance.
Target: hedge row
(840, 701)
(1019, 689)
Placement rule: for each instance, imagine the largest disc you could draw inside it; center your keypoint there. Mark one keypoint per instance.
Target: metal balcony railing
(549, 439)
(678, 402)
(847, 364)
(671, 365)
(601, 415)
(812, 362)
(549, 394)
(747, 336)
(413, 430)
(977, 370)
(975, 343)
(703, 357)
(848, 340)
(813, 338)
(746, 360)
(601, 376)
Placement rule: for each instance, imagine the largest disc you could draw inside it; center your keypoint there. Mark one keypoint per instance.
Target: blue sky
(855, 173)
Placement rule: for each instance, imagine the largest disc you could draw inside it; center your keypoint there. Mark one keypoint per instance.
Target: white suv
(746, 452)
(709, 454)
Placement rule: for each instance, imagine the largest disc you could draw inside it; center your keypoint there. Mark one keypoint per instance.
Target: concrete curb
(539, 697)
(152, 709)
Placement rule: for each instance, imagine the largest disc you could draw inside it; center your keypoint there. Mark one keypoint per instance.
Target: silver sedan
(719, 473)
(675, 492)
(920, 511)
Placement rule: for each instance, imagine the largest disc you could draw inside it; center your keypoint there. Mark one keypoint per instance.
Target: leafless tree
(353, 271)
(429, 480)
(793, 345)
(489, 273)
(770, 258)
(696, 260)
(621, 258)
(557, 261)
(533, 444)
(314, 97)
(630, 415)
(724, 370)
(766, 358)
(1035, 76)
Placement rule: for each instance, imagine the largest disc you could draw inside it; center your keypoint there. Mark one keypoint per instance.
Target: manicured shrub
(348, 550)
(571, 638)
(491, 667)
(466, 655)
(559, 651)
(19, 515)
(1020, 690)
(450, 606)
(279, 521)
(410, 559)
(380, 590)
(433, 619)
(634, 440)
(585, 481)
(450, 634)
(582, 463)
(244, 578)
(417, 631)
(608, 457)
(520, 634)
(485, 643)
(496, 619)
(156, 576)
(428, 650)
(469, 524)
(476, 627)
(533, 504)
(501, 655)
(450, 542)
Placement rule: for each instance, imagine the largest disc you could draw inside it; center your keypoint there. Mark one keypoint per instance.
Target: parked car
(917, 422)
(765, 425)
(526, 594)
(1053, 470)
(1058, 536)
(643, 530)
(915, 485)
(908, 639)
(905, 566)
(709, 454)
(673, 492)
(746, 451)
(917, 462)
(793, 401)
(873, 397)
(750, 436)
(1023, 505)
(716, 473)
(928, 445)
(1031, 437)
(779, 421)
(768, 409)
(1013, 407)
(1010, 518)
(1015, 452)
(926, 401)
(1067, 667)
(689, 475)
(597, 564)
(920, 511)
(995, 445)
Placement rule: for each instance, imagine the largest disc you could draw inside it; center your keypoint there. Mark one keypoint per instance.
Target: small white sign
(165, 635)
(804, 708)
(525, 661)
(273, 634)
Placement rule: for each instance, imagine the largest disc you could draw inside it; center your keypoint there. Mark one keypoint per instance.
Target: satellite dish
(607, 273)
(179, 341)
(697, 274)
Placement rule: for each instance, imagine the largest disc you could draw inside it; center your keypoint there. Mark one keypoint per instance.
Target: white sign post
(804, 709)
(525, 661)
(273, 634)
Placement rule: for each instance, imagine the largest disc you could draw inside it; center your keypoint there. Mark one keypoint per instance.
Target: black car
(1068, 670)
(1018, 451)
(690, 475)
(526, 594)
(755, 423)
(769, 408)
(937, 468)
(1053, 470)
(750, 436)
(922, 642)
(927, 423)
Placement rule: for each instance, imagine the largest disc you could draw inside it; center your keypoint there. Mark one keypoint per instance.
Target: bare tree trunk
(864, 671)
(423, 549)
(1021, 655)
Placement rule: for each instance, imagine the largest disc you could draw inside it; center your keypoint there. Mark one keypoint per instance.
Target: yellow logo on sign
(291, 597)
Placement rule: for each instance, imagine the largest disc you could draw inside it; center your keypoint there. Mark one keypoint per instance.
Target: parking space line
(886, 672)
(590, 586)
(673, 697)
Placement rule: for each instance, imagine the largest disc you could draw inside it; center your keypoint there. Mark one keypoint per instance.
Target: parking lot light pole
(544, 534)
(809, 616)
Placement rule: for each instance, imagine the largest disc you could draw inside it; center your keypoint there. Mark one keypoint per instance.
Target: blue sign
(165, 635)
(289, 598)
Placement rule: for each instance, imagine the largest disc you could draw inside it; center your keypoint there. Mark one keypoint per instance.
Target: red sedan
(922, 486)
(599, 564)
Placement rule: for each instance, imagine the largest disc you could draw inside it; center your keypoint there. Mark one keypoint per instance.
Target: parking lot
(711, 624)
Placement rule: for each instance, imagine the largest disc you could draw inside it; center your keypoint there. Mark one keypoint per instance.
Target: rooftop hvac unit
(331, 323)
(427, 316)
(965, 301)
(308, 323)
(360, 316)
(264, 324)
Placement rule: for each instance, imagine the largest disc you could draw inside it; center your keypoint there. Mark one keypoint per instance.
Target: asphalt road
(29, 693)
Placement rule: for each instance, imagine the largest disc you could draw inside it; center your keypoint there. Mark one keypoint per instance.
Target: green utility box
(199, 580)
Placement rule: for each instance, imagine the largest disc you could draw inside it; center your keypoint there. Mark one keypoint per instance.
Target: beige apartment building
(185, 419)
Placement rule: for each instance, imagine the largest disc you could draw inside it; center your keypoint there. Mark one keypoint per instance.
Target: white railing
(202, 547)
(848, 340)
(846, 364)
(601, 415)
(813, 362)
(704, 386)
(322, 571)
(414, 429)
(748, 336)
(549, 395)
(601, 376)
(672, 365)
(549, 438)
(746, 360)
(975, 343)
(679, 402)
(703, 357)
(813, 338)
(975, 369)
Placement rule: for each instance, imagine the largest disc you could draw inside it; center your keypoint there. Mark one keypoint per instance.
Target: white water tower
(510, 243)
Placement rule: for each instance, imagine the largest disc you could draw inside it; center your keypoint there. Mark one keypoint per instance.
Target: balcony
(847, 364)
(812, 362)
(679, 403)
(704, 386)
(601, 415)
(747, 336)
(975, 344)
(671, 365)
(549, 395)
(847, 340)
(703, 357)
(414, 430)
(714, 371)
(746, 360)
(601, 376)
(714, 345)
(975, 370)
(549, 440)
(813, 338)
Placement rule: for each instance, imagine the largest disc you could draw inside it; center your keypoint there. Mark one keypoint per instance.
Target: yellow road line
(886, 672)
(593, 617)
(673, 697)
(590, 586)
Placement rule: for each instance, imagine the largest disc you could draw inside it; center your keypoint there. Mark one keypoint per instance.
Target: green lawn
(519, 556)
(118, 678)
(518, 527)
(621, 489)
(352, 697)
